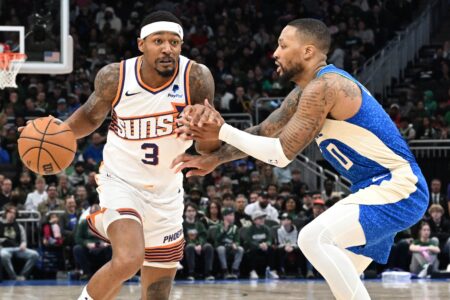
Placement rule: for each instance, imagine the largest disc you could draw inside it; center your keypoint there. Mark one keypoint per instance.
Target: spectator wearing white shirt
(110, 19)
(264, 206)
(38, 196)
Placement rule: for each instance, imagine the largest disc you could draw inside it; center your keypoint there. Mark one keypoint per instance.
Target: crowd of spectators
(244, 218)
(229, 233)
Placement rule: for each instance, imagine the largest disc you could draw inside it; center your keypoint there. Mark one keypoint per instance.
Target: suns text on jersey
(144, 128)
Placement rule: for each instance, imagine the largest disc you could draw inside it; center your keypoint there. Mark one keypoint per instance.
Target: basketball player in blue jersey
(389, 192)
(140, 196)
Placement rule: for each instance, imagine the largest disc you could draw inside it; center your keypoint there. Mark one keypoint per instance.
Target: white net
(10, 64)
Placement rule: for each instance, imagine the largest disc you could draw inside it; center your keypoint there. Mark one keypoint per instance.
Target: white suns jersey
(141, 143)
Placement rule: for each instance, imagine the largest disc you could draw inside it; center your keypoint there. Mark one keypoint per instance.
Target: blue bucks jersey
(368, 146)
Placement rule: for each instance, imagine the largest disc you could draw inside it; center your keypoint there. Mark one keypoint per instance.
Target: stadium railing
(430, 148)
(30, 220)
(389, 63)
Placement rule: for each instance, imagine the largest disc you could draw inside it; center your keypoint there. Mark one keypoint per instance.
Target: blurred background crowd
(243, 219)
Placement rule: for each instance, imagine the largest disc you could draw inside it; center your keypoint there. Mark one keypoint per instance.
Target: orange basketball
(47, 146)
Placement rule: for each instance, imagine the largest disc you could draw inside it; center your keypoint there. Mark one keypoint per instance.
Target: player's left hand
(202, 164)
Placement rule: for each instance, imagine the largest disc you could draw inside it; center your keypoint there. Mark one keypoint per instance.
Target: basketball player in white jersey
(141, 198)
(354, 134)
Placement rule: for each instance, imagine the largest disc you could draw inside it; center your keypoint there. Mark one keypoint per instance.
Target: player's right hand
(202, 164)
(21, 128)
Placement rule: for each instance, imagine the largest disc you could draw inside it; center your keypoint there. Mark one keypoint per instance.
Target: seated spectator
(51, 203)
(440, 228)
(258, 245)
(62, 111)
(283, 175)
(23, 189)
(81, 197)
(91, 186)
(14, 244)
(228, 200)
(437, 197)
(4, 155)
(329, 190)
(227, 244)
(90, 252)
(64, 188)
(213, 214)
(263, 206)
(68, 221)
(241, 219)
(6, 192)
(287, 248)
(290, 207)
(196, 245)
(406, 129)
(51, 232)
(39, 195)
(93, 154)
(424, 253)
(78, 177)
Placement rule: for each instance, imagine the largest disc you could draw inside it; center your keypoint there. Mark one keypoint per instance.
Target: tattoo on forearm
(270, 127)
(159, 290)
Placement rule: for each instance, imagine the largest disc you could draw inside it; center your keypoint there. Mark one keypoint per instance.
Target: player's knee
(308, 238)
(128, 263)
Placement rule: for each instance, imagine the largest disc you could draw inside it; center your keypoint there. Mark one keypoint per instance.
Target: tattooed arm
(201, 87)
(91, 115)
(270, 127)
(315, 104)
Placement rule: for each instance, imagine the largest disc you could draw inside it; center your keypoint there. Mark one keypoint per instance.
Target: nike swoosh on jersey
(127, 93)
(379, 177)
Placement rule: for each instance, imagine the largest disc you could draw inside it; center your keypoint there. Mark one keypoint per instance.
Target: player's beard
(289, 74)
(167, 73)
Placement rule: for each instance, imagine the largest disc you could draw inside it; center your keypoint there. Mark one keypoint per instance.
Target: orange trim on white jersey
(121, 83)
(144, 85)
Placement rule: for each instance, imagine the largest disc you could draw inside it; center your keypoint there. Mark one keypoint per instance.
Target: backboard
(40, 29)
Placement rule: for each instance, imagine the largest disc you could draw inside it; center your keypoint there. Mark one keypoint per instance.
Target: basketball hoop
(10, 63)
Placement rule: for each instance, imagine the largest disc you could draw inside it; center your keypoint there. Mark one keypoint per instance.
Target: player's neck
(151, 77)
(309, 74)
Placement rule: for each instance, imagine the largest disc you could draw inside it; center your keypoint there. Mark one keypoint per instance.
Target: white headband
(161, 26)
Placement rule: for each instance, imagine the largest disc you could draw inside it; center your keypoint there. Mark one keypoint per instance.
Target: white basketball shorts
(161, 219)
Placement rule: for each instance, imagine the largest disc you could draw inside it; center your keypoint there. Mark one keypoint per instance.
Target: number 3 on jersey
(151, 154)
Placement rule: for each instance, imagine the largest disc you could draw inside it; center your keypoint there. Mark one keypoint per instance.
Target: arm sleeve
(266, 149)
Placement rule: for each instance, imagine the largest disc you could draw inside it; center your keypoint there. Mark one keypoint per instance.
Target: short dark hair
(315, 29)
(160, 15)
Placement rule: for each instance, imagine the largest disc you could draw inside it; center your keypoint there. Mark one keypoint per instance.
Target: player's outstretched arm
(315, 104)
(270, 127)
(91, 114)
(201, 87)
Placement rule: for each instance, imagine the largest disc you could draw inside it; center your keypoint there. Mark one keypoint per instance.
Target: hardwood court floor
(244, 289)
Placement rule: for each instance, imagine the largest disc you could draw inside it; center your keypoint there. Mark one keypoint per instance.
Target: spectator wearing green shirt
(196, 245)
(227, 244)
(258, 245)
(424, 252)
(90, 252)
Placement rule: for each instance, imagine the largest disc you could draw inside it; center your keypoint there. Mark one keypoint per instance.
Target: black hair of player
(158, 16)
(314, 29)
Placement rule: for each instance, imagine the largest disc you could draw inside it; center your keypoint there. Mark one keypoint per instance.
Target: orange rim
(7, 57)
